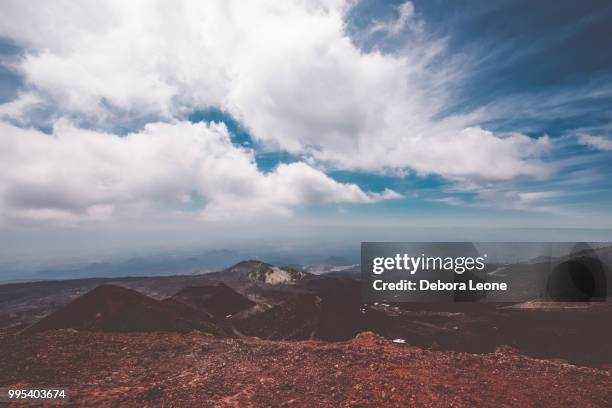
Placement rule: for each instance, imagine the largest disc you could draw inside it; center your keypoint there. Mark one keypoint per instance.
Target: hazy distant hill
(162, 264)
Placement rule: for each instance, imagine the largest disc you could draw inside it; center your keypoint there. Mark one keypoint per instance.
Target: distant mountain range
(158, 265)
(167, 264)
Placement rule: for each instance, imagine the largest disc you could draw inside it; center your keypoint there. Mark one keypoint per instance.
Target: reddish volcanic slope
(296, 319)
(116, 309)
(218, 300)
(195, 369)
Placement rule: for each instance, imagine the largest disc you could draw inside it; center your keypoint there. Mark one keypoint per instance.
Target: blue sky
(423, 113)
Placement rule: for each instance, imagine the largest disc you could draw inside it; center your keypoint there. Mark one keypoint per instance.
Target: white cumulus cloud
(76, 174)
(286, 70)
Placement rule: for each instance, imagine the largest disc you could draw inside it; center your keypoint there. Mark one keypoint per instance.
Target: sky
(148, 124)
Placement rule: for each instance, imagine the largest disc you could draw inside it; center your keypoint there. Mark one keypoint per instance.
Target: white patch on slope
(278, 276)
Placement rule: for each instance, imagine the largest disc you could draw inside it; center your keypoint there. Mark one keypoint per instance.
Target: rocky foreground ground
(167, 369)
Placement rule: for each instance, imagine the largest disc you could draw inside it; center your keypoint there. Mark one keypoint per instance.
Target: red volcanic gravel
(195, 369)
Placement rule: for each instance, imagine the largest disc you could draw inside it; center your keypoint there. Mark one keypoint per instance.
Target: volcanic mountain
(216, 300)
(296, 319)
(110, 308)
(261, 272)
(328, 308)
(262, 283)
